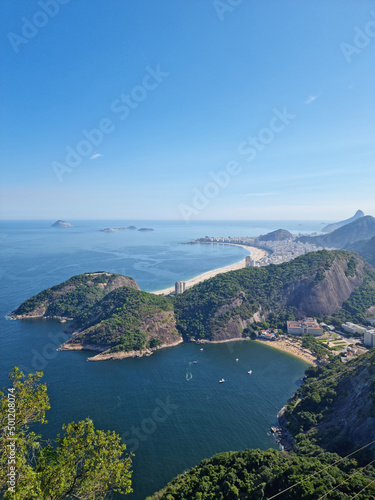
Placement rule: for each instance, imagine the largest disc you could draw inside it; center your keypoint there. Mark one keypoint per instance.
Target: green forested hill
(317, 284)
(257, 475)
(336, 404)
(70, 298)
(110, 312)
(126, 320)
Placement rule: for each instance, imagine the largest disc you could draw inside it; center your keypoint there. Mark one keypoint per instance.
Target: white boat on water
(250, 372)
(201, 349)
(237, 359)
(221, 381)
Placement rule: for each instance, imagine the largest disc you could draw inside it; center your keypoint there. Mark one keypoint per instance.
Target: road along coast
(257, 254)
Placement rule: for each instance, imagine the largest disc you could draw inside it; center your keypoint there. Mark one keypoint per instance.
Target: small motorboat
(237, 359)
(221, 381)
(250, 372)
(195, 362)
(201, 349)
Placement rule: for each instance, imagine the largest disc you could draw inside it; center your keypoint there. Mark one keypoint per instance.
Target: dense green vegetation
(121, 319)
(70, 298)
(271, 289)
(256, 475)
(354, 309)
(110, 311)
(82, 463)
(310, 342)
(334, 393)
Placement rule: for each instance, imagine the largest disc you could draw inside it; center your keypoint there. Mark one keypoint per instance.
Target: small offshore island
(114, 229)
(61, 223)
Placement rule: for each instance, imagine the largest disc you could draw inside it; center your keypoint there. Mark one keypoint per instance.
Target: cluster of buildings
(368, 333)
(307, 325)
(278, 251)
(286, 250)
(269, 334)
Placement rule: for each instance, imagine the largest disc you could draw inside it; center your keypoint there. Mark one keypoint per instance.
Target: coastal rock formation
(361, 229)
(145, 229)
(61, 223)
(336, 225)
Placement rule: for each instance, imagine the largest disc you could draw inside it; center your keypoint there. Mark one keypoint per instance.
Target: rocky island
(61, 223)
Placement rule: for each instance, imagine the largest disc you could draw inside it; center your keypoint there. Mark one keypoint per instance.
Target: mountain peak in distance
(336, 225)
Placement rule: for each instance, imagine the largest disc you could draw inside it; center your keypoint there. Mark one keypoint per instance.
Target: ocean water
(170, 411)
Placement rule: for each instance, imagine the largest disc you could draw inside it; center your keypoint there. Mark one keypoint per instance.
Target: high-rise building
(249, 262)
(179, 287)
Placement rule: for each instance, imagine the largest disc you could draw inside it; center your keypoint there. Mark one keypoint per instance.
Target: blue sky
(181, 89)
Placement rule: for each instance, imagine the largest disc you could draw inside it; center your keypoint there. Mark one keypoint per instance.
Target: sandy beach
(285, 345)
(256, 254)
(292, 348)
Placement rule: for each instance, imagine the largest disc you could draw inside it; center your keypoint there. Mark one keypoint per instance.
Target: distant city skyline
(187, 110)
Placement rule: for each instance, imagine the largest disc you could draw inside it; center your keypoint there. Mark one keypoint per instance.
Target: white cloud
(311, 99)
(95, 156)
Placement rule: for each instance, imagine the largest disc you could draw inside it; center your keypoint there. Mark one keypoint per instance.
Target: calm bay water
(171, 411)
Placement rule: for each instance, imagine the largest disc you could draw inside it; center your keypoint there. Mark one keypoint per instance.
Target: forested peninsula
(111, 315)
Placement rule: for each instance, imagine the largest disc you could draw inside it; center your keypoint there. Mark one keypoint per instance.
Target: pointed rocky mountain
(336, 225)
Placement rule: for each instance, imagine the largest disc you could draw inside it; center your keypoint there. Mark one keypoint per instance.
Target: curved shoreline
(295, 351)
(257, 254)
(279, 345)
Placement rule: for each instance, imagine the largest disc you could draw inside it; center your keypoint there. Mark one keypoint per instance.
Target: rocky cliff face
(327, 295)
(336, 405)
(318, 284)
(353, 410)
